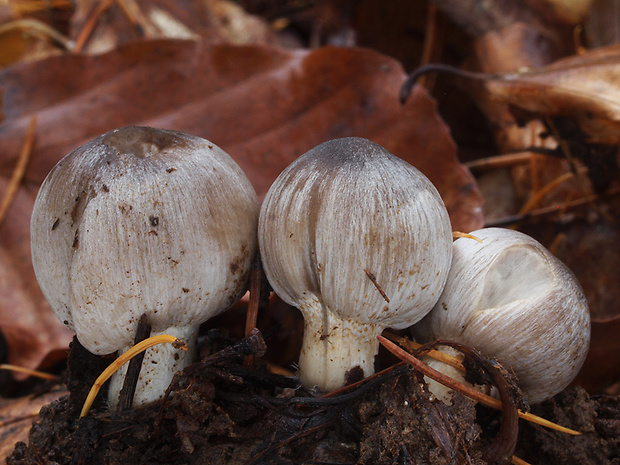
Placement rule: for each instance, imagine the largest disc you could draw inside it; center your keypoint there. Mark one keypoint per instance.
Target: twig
(499, 161)
(373, 279)
(407, 86)
(436, 354)
(135, 365)
(252, 312)
(90, 25)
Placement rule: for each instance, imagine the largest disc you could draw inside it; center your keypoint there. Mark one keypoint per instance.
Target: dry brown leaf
(585, 87)
(31, 329)
(577, 98)
(215, 21)
(26, 40)
(265, 106)
(590, 249)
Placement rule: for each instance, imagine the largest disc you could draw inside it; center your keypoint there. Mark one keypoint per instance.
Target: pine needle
(121, 360)
(458, 235)
(19, 171)
(28, 371)
(466, 390)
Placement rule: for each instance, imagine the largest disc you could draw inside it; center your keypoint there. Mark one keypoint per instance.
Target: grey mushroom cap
(358, 240)
(510, 298)
(142, 221)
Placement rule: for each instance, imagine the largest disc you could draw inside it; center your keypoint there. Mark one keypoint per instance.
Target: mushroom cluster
(358, 240)
(143, 221)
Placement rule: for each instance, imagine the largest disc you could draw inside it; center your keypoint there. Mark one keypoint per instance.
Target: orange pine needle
(121, 360)
(28, 371)
(466, 390)
(529, 206)
(459, 234)
(499, 161)
(517, 461)
(90, 24)
(20, 169)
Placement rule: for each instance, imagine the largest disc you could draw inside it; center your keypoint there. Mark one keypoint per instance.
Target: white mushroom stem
(332, 346)
(160, 364)
(442, 392)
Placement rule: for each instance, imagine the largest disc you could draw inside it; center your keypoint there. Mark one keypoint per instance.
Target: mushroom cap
(345, 211)
(510, 298)
(142, 220)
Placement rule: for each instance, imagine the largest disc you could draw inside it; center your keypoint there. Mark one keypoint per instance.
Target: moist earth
(224, 412)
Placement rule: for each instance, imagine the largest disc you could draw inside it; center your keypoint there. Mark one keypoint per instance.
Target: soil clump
(223, 412)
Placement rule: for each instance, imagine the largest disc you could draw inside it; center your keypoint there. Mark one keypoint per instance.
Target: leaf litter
(218, 411)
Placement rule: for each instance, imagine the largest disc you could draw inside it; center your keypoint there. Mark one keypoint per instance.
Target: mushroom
(511, 299)
(358, 240)
(143, 221)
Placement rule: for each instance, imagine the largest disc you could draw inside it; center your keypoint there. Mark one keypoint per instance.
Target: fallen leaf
(265, 106)
(585, 87)
(591, 250)
(26, 40)
(215, 21)
(31, 329)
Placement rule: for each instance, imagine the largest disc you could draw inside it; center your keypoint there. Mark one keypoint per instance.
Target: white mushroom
(358, 240)
(143, 221)
(511, 299)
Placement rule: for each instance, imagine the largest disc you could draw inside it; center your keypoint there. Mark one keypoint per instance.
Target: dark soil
(597, 417)
(220, 412)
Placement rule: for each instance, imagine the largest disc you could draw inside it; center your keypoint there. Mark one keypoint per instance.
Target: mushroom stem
(439, 390)
(332, 346)
(159, 366)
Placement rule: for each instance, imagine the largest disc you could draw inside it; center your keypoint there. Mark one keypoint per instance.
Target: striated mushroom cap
(510, 298)
(142, 220)
(345, 228)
